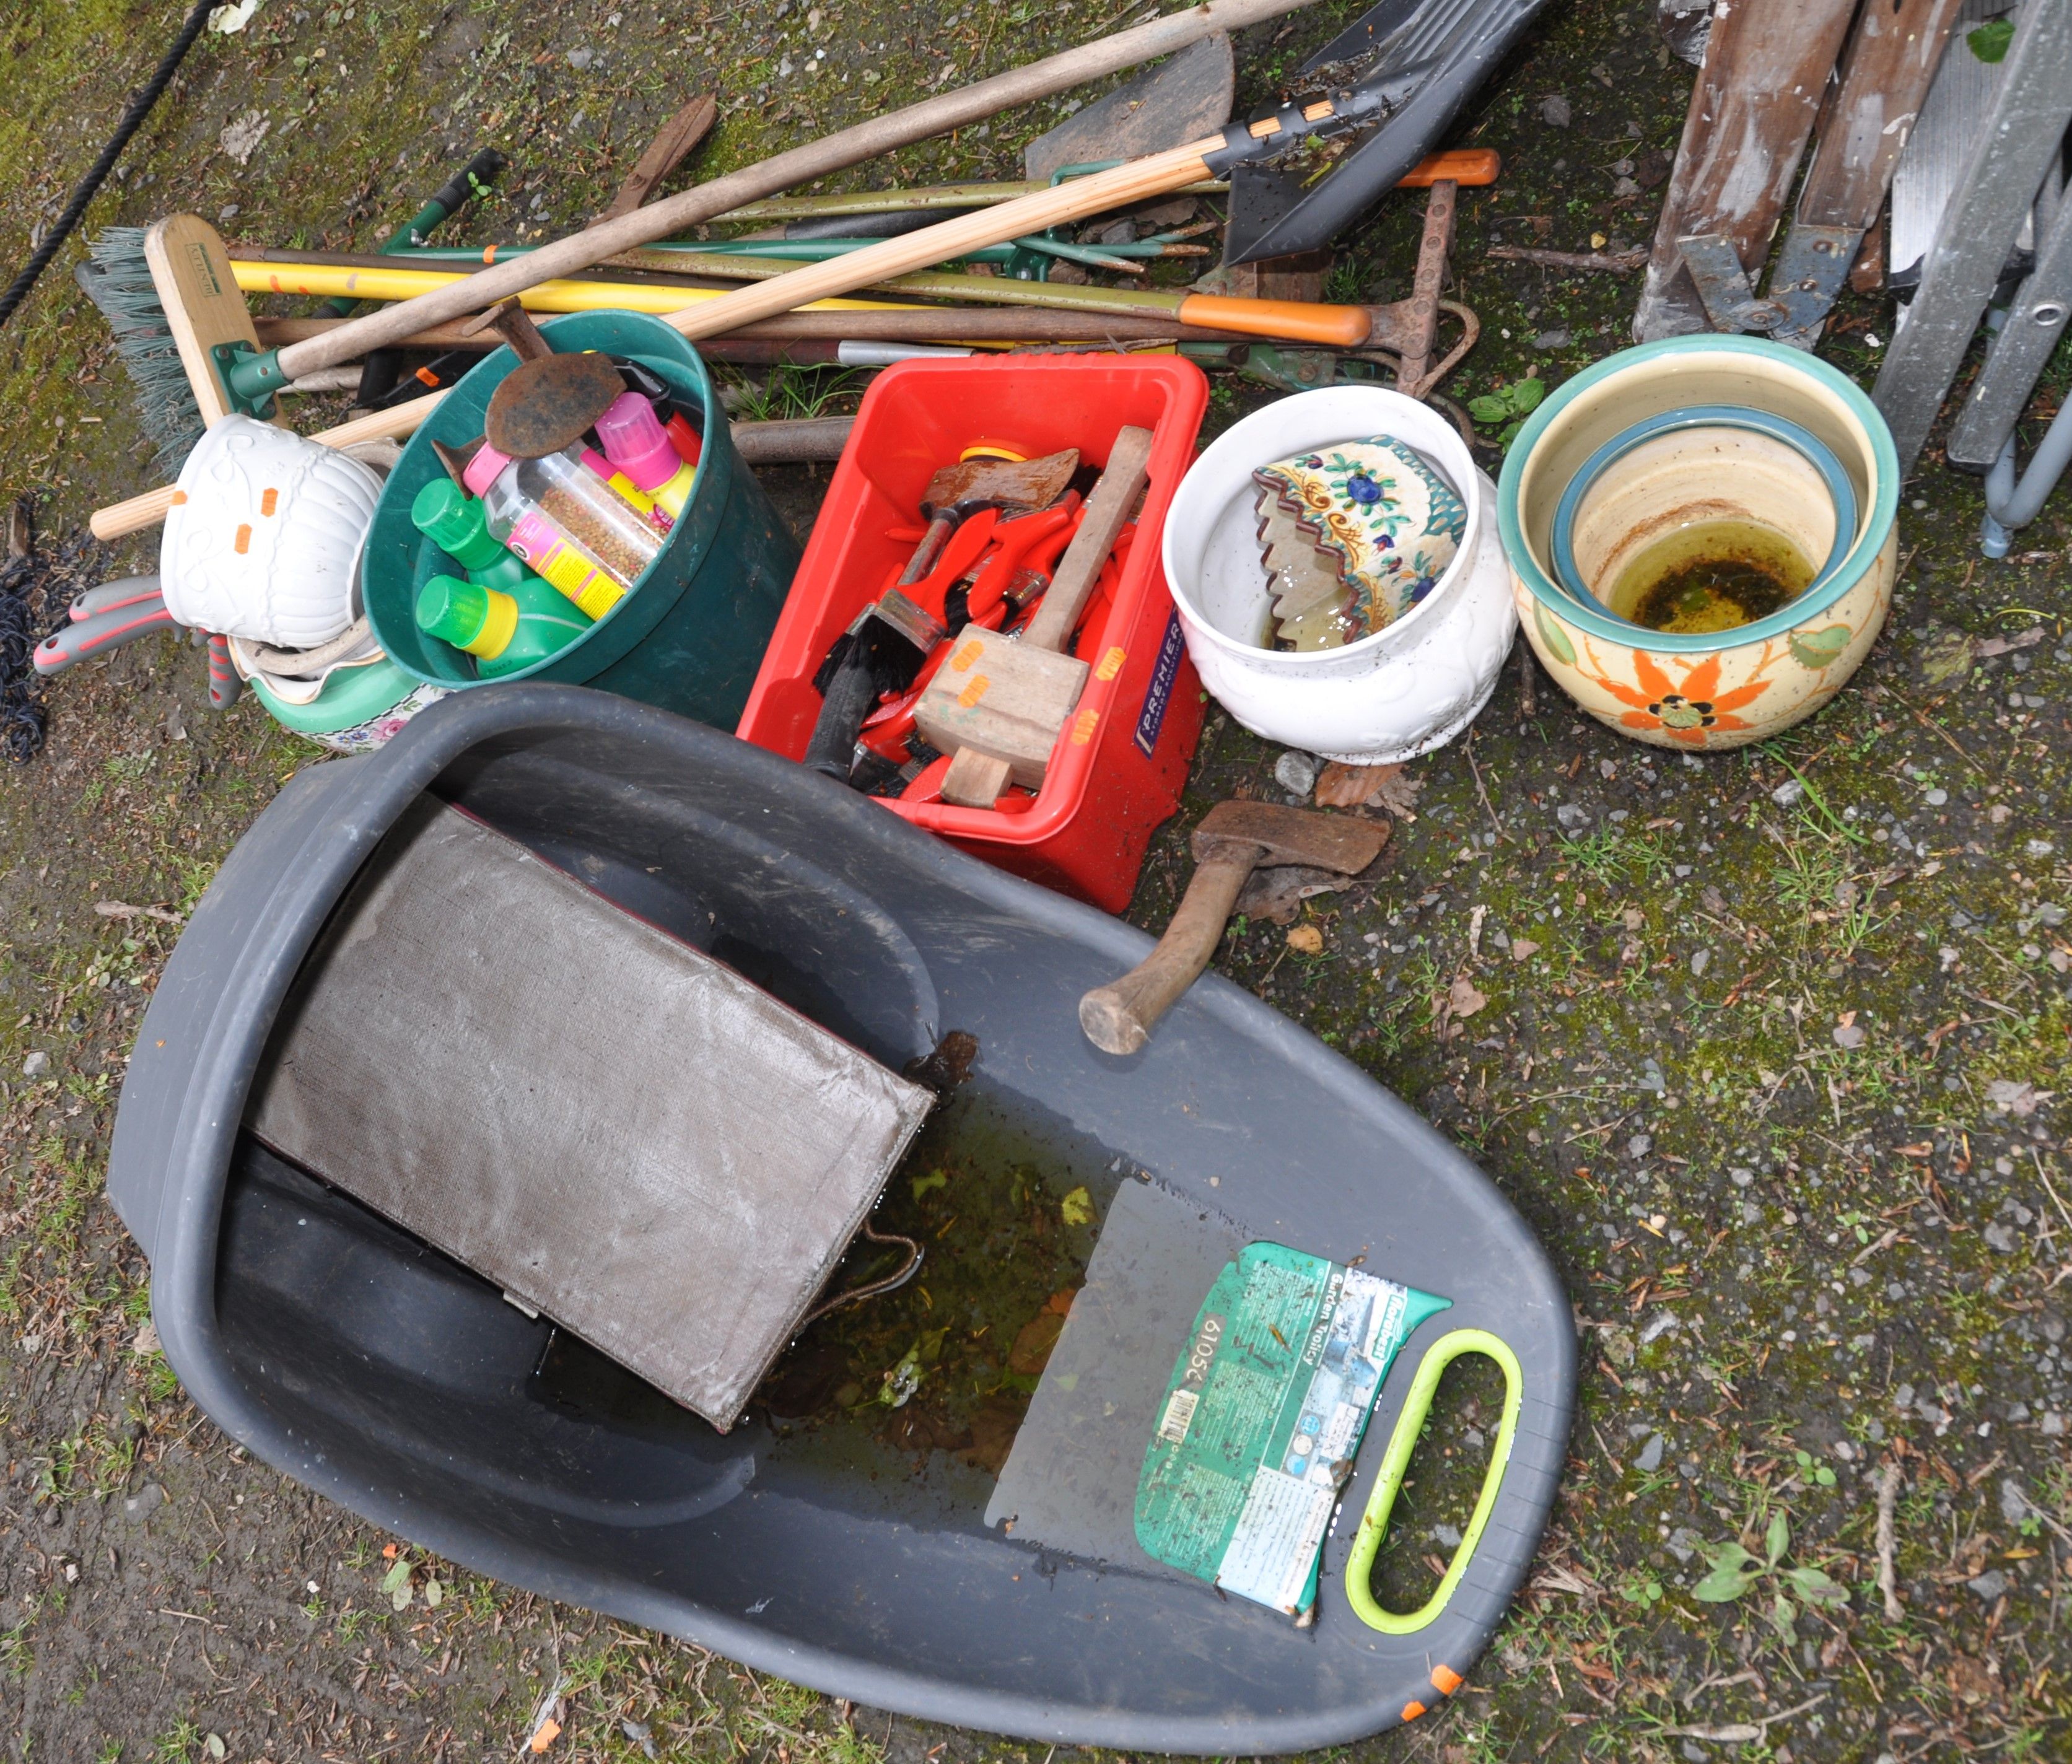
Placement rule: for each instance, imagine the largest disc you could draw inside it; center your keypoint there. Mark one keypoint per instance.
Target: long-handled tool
(671, 146)
(470, 183)
(1284, 133)
(998, 707)
(885, 648)
(1234, 839)
(272, 271)
(232, 372)
(1462, 165)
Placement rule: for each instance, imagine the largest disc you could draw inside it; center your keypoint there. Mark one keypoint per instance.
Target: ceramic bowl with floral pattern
(1698, 691)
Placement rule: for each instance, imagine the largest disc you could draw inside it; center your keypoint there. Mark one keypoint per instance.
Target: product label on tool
(1263, 1416)
(1164, 671)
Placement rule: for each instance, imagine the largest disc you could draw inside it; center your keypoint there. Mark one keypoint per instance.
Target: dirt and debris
(1819, 1277)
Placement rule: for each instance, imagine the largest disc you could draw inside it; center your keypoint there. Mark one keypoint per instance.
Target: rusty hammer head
(1339, 843)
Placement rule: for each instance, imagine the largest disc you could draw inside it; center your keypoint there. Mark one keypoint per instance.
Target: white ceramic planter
(1410, 687)
(264, 535)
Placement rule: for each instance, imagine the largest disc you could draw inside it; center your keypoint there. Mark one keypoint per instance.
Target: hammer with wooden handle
(1234, 839)
(998, 707)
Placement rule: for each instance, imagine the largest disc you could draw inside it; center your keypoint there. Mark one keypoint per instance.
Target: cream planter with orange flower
(1700, 690)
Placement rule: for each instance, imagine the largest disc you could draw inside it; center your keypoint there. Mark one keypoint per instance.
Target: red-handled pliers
(1016, 541)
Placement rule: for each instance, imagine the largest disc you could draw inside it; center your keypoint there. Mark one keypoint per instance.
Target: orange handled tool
(1462, 165)
(1261, 140)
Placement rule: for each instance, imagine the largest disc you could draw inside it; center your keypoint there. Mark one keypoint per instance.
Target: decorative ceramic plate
(1353, 536)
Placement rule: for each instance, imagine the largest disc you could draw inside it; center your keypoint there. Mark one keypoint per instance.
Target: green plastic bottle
(504, 631)
(453, 520)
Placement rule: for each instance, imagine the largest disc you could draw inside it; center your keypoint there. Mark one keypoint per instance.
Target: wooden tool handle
(1118, 1019)
(1299, 320)
(757, 444)
(1153, 175)
(673, 215)
(396, 424)
(1124, 476)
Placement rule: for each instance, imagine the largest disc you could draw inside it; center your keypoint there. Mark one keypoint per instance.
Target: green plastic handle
(1360, 1567)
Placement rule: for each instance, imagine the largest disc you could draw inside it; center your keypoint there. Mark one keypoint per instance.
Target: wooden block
(622, 1133)
(190, 270)
(975, 780)
(1008, 701)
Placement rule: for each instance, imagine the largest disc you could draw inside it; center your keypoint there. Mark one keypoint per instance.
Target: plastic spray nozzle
(469, 616)
(453, 520)
(634, 442)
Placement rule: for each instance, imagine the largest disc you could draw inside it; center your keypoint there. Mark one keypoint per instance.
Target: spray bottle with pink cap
(634, 441)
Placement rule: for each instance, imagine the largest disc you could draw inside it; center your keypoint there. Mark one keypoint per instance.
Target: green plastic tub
(690, 635)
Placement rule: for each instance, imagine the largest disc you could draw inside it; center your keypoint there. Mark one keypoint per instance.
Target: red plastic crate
(1085, 834)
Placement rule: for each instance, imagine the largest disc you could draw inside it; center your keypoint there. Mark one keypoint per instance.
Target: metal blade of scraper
(1179, 101)
(1423, 60)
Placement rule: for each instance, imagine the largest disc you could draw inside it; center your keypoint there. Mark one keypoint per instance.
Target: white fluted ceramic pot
(1406, 689)
(1717, 689)
(264, 535)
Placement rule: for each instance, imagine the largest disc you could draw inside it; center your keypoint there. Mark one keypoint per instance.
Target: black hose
(89, 186)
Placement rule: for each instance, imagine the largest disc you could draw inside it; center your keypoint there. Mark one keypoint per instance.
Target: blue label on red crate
(1165, 670)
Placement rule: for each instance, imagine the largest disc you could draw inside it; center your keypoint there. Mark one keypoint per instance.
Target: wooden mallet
(1234, 839)
(998, 707)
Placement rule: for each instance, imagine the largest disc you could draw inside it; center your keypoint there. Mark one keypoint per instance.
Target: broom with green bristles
(117, 279)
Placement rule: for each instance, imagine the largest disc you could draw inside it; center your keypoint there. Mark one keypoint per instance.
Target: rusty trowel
(1234, 839)
(545, 402)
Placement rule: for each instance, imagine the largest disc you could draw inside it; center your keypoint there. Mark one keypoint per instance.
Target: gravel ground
(1770, 1047)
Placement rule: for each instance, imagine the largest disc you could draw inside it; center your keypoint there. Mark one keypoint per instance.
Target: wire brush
(132, 120)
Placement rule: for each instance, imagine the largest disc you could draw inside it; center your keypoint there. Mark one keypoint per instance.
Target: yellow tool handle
(255, 277)
(1298, 321)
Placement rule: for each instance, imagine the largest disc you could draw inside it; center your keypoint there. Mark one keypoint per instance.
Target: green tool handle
(471, 183)
(1373, 1523)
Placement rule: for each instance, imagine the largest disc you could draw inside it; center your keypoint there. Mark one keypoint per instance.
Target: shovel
(1234, 839)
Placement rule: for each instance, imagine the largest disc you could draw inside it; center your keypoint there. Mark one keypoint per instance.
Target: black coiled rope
(21, 716)
(89, 186)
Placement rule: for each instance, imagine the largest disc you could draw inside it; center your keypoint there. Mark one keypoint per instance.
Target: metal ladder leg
(1984, 216)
